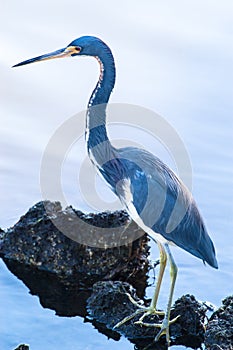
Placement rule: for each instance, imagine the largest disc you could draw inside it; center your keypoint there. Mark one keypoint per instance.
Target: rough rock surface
(99, 257)
(219, 331)
(36, 241)
(22, 347)
(109, 304)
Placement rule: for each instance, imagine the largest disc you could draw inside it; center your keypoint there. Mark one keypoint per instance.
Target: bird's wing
(155, 190)
(163, 203)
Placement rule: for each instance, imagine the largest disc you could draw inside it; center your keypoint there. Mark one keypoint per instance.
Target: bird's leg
(166, 321)
(164, 326)
(162, 266)
(151, 310)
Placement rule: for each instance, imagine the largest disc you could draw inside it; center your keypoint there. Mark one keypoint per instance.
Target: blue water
(176, 61)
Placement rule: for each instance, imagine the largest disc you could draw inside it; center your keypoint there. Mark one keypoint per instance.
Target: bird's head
(83, 46)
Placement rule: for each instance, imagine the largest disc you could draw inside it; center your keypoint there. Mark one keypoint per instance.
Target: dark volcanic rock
(66, 257)
(60, 270)
(2, 234)
(189, 328)
(219, 331)
(22, 347)
(109, 304)
(36, 241)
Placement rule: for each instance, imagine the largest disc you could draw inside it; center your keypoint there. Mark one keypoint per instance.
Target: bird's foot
(164, 327)
(128, 318)
(146, 311)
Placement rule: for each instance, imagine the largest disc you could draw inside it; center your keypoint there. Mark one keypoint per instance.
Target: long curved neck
(98, 144)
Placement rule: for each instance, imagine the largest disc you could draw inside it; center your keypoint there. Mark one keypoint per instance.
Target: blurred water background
(174, 58)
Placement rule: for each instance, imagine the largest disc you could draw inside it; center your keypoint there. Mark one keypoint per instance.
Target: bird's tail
(207, 250)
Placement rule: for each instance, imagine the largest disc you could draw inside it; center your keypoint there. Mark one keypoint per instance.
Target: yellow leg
(166, 322)
(162, 266)
(164, 326)
(151, 310)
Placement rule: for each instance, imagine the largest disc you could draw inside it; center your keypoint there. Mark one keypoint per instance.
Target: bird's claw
(146, 312)
(149, 312)
(141, 309)
(128, 318)
(164, 327)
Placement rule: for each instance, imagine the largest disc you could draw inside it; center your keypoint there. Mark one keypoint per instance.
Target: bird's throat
(96, 133)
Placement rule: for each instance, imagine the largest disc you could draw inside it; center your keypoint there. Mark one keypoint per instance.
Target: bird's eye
(78, 48)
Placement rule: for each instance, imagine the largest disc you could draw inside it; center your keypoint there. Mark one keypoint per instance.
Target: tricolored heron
(151, 193)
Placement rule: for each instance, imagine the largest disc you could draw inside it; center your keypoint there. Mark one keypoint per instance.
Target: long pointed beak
(66, 52)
